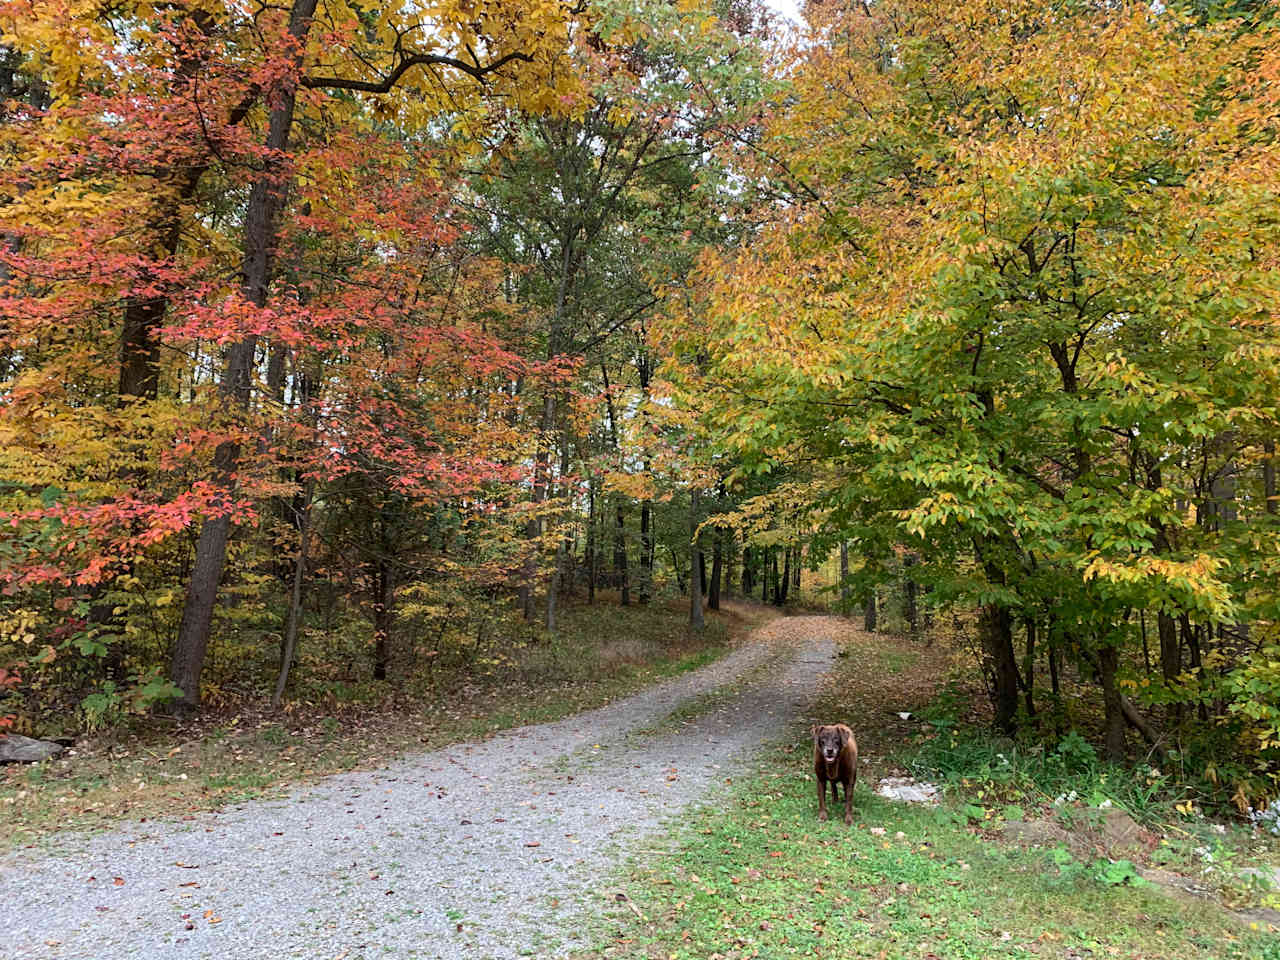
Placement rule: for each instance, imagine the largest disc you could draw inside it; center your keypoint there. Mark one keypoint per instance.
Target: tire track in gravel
(487, 849)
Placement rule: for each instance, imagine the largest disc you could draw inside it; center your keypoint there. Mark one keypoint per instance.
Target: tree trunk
(795, 570)
(620, 557)
(1170, 660)
(696, 622)
(139, 374)
(591, 540)
(383, 609)
(1191, 637)
(728, 576)
(646, 553)
(846, 601)
(1053, 674)
(1136, 721)
(912, 604)
(995, 625)
(768, 564)
(1029, 666)
(261, 226)
(295, 602)
(784, 585)
(1108, 662)
(564, 548)
(869, 615)
(541, 484)
(717, 570)
(553, 591)
(747, 582)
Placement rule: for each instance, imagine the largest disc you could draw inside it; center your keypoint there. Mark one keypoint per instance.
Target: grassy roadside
(161, 769)
(756, 874)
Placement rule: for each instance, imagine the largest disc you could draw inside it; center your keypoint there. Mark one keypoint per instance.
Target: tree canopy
(418, 321)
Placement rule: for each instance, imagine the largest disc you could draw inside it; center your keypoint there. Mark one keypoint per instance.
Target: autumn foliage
(363, 336)
(1020, 308)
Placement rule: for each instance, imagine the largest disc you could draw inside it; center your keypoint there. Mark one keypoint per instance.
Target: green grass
(757, 875)
(1068, 782)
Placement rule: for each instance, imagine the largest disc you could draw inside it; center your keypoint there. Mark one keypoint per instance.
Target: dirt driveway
(490, 849)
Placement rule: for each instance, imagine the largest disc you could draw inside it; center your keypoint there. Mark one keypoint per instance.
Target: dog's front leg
(848, 803)
(822, 799)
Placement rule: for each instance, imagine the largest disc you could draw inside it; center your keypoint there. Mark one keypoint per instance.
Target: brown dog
(835, 760)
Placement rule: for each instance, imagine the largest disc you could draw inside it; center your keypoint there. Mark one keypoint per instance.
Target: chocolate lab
(835, 760)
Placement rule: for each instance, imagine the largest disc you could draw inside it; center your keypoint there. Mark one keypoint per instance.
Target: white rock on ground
(908, 790)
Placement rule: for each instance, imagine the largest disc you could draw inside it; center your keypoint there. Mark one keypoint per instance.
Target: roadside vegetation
(754, 874)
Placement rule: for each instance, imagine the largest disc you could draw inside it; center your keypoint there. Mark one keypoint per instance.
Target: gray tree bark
(696, 621)
(295, 602)
(266, 200)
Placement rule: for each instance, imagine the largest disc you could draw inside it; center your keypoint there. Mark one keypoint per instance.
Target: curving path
(487, 849)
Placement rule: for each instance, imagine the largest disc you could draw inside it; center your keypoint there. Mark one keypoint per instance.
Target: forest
(345, 344)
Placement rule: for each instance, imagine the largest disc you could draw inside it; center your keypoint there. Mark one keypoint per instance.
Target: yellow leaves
(20, 626)
(638, 486)
(66, 41)
(532, 37)
(1194, 582)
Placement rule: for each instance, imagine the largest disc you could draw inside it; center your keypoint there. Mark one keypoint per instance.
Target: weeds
(1003, 771)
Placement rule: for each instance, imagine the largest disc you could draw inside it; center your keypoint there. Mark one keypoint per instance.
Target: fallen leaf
(118, 881)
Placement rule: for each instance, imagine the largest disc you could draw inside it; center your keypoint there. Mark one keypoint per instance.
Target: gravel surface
(492, 849)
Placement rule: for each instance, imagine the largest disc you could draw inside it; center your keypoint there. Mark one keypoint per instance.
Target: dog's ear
(844, 735)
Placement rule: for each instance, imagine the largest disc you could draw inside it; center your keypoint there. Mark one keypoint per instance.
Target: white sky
(788, 8)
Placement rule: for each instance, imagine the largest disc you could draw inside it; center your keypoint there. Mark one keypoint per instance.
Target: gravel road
(492, 849)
